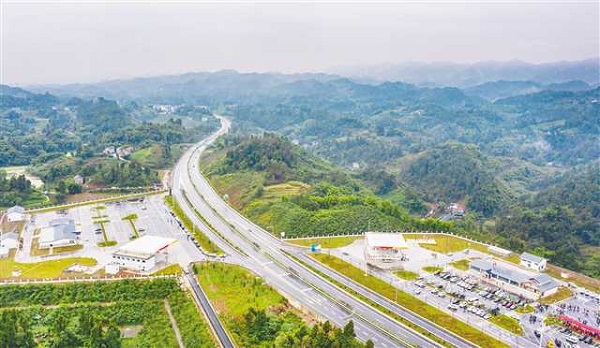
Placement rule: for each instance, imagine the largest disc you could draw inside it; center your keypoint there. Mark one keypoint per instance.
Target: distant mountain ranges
(470, 75)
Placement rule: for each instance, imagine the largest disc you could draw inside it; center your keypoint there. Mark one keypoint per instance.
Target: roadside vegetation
(169, 270)
(257, 316)
(202, 239)
(510, 324)
(406, 275)
(327, 242)
(410, 302)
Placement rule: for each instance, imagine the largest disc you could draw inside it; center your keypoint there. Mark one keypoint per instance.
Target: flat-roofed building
(384, 249)
(514, 280)
(142, 254)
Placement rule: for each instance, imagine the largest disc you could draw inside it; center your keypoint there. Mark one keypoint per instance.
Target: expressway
(262, 253)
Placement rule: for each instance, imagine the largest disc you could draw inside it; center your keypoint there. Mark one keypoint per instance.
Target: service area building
(514, 280)
(59, 232)
(143, 254)
(384, 250)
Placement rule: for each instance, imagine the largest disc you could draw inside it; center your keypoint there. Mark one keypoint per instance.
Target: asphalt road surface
(261, 252)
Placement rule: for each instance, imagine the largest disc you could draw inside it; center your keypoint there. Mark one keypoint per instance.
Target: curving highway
(251, 246)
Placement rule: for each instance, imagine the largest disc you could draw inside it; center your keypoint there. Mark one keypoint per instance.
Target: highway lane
(272, 245)
(208, 309)
(279, 271)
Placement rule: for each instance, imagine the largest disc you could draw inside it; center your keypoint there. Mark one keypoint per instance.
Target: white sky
(70, 42)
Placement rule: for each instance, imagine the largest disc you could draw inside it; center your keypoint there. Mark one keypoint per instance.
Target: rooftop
(145, 247)
(531, 258)
(542, 282)
(16, 209)
(57, 230)
(385, 240)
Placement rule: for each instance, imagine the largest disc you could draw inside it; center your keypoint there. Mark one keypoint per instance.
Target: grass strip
(374, 304)
(410, 302)
(131, 218)
(327, 243)
(204, 241)
(432, 269)
(507, 323)
(406, 275)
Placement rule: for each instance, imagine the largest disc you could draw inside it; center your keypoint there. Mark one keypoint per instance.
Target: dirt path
(174, 324)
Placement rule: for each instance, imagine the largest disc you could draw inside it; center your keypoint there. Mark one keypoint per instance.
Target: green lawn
(45, 269)
(332, 242)
(463, 264)
(432, 269)
(450, 244)
(446, 244)
(507, 323)
(410, 302)
(406, 275)
(561, 294)
(233, 290)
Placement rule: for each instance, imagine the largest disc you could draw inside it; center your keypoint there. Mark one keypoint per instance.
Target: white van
(572, 339)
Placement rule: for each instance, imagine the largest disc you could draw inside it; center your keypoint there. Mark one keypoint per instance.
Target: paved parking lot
(153, 219)
(450, 294)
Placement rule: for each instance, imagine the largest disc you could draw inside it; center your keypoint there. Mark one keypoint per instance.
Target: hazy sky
(70, 42)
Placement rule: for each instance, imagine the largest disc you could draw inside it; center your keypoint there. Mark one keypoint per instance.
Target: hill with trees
(458, 172)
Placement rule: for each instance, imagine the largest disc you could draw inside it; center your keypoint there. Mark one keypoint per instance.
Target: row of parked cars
(574, 337)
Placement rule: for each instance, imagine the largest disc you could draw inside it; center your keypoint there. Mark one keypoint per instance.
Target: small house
(533, 261)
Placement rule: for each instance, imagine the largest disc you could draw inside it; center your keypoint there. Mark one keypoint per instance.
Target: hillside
(562, 221)
(284, 189)
(103, 143)
(458, 172)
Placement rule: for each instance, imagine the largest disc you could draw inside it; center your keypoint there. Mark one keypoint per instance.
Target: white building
(16, 214)
(384, 248)
(532, 261)
(142, 254)
(60, 232)
(9, 240)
